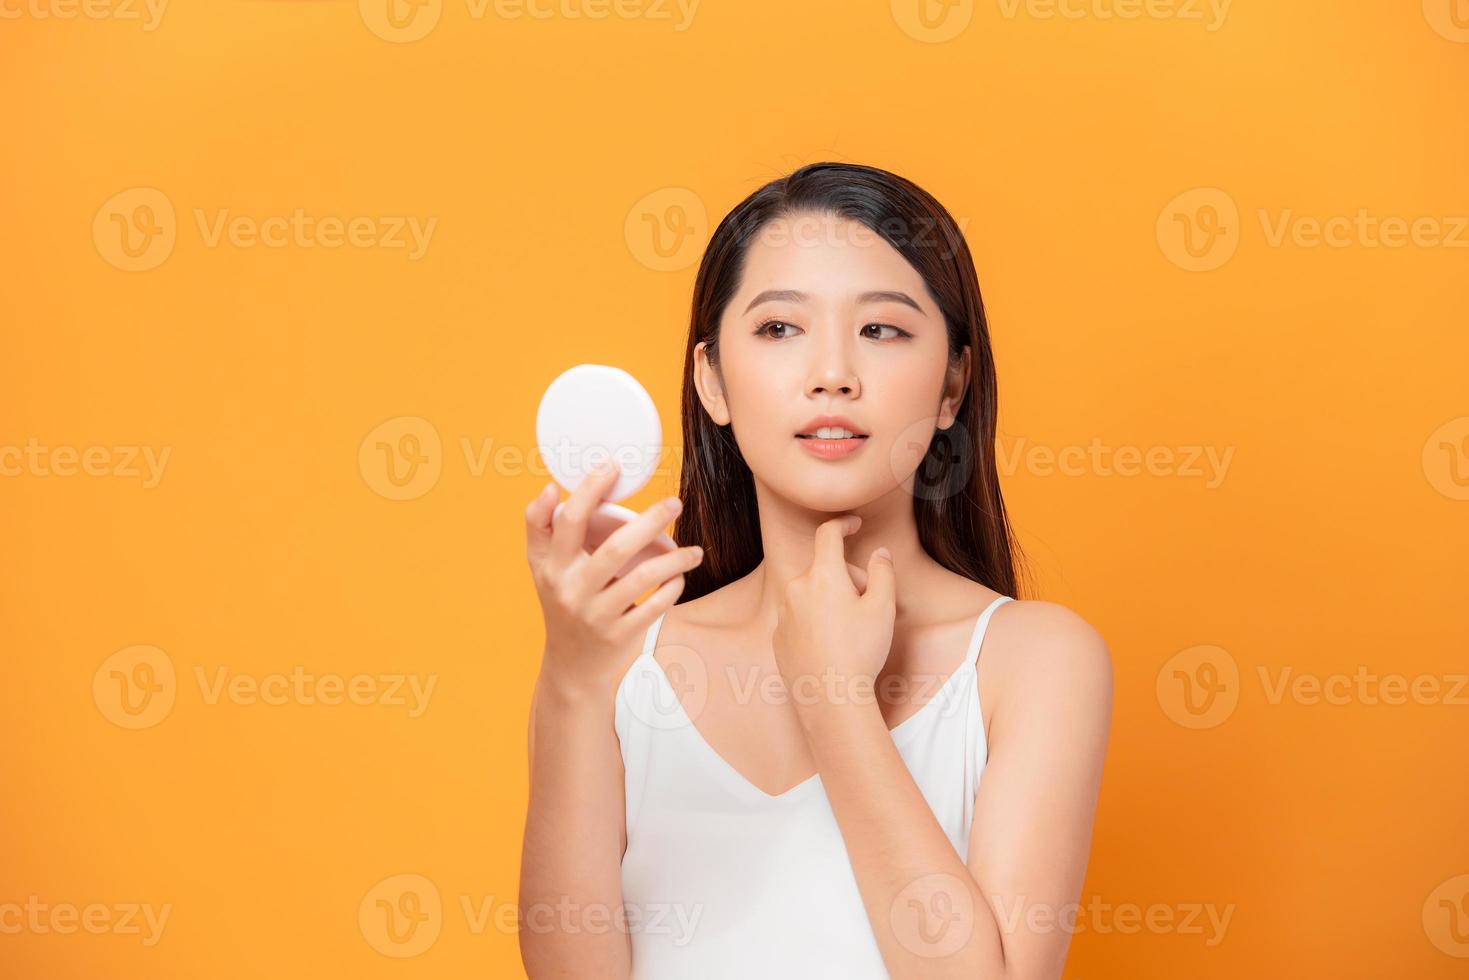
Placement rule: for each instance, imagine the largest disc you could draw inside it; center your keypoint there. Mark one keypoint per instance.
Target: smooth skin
(574, 833)
(846, 598)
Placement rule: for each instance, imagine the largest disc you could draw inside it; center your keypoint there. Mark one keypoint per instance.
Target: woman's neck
(788, 537)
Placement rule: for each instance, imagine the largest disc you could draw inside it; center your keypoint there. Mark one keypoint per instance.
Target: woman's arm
(574, 839)
(571, 911)
(1005, 914)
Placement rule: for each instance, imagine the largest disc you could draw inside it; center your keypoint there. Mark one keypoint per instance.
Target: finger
(859, 576)
(831, 546)
(538, 524)
(881, 579)
(628, 540)
(569, 533)
(647, 574)
(637, 619)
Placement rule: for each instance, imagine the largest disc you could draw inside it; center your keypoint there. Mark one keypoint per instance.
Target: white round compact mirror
(593, 412)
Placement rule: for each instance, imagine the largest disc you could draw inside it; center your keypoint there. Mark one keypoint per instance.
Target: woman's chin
(830, 494)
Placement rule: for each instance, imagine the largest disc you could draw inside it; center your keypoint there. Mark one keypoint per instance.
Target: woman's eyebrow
(796, 296)
(890, 296)
(780, 295)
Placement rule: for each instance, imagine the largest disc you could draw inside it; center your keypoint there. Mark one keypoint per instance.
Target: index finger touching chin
(831, 541)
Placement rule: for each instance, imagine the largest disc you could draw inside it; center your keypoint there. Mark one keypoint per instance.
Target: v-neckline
(742, 782)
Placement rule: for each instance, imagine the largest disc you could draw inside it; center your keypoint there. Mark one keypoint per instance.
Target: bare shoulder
(709, 614)
(1044, 654)
(683, 624)
(1048, 635)
(707, 610)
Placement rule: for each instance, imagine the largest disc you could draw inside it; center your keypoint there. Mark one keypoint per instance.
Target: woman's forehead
(826, 256)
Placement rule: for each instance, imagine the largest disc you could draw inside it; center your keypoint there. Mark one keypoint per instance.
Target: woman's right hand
(590, 616)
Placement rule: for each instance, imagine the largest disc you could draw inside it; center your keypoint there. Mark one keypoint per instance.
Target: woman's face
(830, 320)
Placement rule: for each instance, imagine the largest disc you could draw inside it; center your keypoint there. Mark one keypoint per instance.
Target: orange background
(1334, 375)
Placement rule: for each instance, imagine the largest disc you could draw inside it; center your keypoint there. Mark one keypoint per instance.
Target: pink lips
(831, 448)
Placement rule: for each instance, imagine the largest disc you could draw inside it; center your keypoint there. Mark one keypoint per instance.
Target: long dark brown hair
(956, 493)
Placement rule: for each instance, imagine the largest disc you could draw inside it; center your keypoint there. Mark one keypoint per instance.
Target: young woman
(791, 759)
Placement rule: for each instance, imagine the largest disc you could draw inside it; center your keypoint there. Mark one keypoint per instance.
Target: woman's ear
(707, 382)
(956, 382)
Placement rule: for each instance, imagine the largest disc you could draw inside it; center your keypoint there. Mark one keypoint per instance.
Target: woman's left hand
(829, 636)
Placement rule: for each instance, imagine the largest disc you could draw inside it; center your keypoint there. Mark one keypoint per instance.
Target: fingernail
(673, 505)
(603, 467)
(698, 554)
(884, 554)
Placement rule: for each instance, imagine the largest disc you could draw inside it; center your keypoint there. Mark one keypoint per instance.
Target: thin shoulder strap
(650, 639)
(980, 626)
(650, 642)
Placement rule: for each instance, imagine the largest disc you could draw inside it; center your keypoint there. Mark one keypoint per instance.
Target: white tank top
(726, 880)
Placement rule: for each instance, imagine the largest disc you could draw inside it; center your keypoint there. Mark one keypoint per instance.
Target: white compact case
(593, 412)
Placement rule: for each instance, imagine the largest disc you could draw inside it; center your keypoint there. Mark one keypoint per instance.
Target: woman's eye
(780, 330)
(769, 326)
(879, 327)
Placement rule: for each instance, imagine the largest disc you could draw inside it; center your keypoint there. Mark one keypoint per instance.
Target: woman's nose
(832, 370)
(833, 377)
